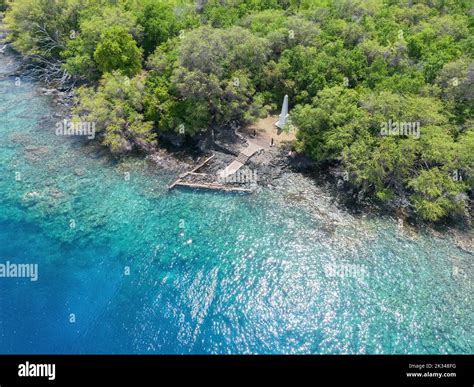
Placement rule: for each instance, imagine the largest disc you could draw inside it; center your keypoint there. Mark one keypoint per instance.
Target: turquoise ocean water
(208, 272)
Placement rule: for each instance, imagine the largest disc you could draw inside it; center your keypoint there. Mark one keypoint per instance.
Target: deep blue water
(209, 272)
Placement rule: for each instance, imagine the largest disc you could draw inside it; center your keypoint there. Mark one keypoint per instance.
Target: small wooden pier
(211, 186)
(192, 172)
(241, 159)
(180, 182)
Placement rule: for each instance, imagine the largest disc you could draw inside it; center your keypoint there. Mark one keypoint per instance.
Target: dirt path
(265, 130)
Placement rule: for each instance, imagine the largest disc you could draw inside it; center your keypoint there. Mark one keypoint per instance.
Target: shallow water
(208, 272)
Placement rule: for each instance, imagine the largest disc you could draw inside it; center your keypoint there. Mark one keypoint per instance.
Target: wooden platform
(192, 172)
(179, 182)
(212, 186)
(241, 159)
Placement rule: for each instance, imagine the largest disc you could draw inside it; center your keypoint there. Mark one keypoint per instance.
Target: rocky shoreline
(268, 166)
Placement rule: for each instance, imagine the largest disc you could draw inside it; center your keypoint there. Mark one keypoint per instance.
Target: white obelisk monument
(284, 114)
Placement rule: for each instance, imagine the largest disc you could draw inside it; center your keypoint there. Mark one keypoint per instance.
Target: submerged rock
(464, 240)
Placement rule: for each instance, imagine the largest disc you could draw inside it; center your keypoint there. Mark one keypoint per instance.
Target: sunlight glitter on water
(209, 273)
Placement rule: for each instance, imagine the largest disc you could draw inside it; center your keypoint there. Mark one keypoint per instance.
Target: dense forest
(382, 89)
